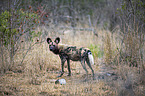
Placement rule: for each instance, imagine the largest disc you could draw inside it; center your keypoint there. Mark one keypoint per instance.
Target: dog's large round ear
(49, 40)
(57, 40)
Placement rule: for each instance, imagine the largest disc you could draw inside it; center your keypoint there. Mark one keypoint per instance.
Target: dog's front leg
(69, 70)
(63, 59)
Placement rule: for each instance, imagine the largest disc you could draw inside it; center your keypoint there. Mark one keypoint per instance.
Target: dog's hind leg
(84, 67)
(89, 64)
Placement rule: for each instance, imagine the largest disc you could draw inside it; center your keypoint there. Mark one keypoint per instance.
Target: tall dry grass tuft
(132, 45)
(40, 60)
(107, 49)
(130, 64)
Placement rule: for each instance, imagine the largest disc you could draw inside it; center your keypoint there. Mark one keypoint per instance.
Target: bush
(14, 25)
(96, 51)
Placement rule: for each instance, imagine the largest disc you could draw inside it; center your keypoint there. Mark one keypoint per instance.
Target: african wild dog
(67, 53)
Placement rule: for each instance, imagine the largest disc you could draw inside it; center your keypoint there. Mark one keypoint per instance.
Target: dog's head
(53, 45)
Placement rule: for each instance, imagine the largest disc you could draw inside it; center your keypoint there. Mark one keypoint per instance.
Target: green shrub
(96, 51)
(15, 24)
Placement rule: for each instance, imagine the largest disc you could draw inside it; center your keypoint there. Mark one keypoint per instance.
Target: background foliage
(112, 29)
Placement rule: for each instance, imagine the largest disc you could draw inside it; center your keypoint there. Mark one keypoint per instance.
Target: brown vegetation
(37, 74)
(112, 30)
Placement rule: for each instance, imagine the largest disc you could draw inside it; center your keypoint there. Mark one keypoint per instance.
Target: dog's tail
(91, 59)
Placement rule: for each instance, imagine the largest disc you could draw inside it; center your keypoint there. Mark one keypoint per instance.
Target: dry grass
(36, 75)
(17, 85)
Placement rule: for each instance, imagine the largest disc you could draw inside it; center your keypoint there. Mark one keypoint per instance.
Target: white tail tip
(91, 59)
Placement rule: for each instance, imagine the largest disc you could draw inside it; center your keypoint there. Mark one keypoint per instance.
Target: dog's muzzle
(51, 48)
